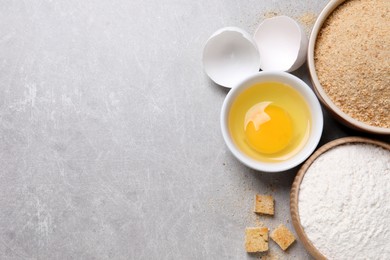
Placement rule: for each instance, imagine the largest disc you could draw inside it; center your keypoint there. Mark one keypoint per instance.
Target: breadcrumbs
(282, 236)
(352, 59)
(264, 204)
(256, 239)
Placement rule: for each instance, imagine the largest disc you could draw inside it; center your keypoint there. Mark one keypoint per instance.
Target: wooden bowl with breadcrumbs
(349, 63)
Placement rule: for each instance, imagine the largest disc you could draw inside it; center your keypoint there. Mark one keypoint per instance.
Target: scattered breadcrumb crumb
(270, 14)
(307, 20)
(271, 256)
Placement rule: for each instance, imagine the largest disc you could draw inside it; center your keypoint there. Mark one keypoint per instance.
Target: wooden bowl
(318, 89)
(294, 194)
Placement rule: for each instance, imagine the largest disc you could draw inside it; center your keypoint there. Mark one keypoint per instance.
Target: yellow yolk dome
(268, 128)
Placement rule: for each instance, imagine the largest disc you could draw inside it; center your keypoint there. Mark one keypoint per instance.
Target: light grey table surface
(109, 132)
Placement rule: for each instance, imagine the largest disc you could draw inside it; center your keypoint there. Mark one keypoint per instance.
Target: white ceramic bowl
(316, 119)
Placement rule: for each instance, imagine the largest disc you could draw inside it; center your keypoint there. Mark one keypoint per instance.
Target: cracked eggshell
(229, 56)
(282, 44)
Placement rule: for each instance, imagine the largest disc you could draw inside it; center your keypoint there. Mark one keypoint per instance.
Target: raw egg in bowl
(272, 121)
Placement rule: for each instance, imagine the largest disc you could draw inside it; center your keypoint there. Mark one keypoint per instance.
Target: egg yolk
(268, 128)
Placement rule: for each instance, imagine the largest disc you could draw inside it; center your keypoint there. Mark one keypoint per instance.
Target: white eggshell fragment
(282, 44)
(230, 55)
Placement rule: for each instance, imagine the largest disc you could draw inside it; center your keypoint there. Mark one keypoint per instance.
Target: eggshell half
(282, 44)
(229, 56)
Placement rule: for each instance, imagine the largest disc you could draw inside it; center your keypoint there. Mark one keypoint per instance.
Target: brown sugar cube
(264, 204)
(282, 236)
(256, 239)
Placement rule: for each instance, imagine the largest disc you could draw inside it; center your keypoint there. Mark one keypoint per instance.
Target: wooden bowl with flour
(340, 199)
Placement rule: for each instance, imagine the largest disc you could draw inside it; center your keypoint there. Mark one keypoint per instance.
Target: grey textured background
(109, 132)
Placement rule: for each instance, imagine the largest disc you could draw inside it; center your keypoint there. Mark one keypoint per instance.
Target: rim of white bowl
(317, 120)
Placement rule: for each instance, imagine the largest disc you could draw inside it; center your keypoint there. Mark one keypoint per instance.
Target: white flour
(344, 202)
